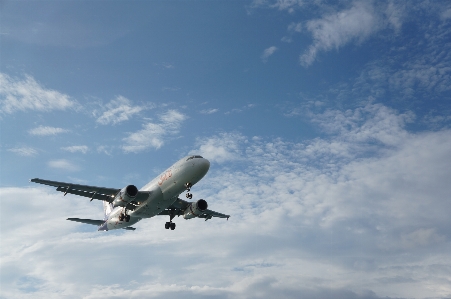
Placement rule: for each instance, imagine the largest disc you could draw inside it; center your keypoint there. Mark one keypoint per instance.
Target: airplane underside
(127, 206)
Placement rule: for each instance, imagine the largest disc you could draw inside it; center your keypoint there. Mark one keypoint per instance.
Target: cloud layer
(321, 218)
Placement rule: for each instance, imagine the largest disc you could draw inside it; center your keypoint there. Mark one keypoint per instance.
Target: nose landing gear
(188, 189)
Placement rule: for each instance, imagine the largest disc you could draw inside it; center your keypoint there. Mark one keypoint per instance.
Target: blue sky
(327, 124)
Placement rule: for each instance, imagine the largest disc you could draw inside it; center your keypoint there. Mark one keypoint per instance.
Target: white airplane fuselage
(163, 192)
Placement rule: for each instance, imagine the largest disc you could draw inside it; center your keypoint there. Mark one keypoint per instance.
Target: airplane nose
(205, 165)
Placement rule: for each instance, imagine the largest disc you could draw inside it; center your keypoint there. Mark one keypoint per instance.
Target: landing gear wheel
(127, 218)
(189, 195)
(172, 226)
(167, 225)
(121, 217)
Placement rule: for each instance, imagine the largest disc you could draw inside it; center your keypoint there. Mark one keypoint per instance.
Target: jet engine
(195, 209)
(124, 196)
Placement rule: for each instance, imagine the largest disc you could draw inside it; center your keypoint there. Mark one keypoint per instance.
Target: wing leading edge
(93, 192)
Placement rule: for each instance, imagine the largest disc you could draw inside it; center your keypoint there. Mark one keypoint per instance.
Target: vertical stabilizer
(107, 208)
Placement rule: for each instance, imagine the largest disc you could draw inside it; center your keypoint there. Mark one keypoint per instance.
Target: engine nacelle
(124, 196)
(195, 209)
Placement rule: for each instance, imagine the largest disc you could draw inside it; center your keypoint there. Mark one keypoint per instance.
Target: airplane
(125, 207)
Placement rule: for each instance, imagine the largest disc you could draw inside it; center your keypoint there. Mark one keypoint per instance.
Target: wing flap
(92, 195)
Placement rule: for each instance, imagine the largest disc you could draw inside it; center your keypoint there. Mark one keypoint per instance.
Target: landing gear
(123, 216)
(169, 225)
(188, 189)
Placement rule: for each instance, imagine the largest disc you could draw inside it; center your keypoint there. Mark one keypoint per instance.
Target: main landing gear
(170, 224)
(123, 216)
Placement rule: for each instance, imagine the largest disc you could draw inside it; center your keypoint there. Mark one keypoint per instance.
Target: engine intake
(124, 196)
(195, 209)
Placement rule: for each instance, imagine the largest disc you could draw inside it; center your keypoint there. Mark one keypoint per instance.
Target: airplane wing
(93, 192)
(180, 205)
(95, 222)
(87, 221)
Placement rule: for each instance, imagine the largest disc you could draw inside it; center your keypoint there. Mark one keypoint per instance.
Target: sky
(327, 125)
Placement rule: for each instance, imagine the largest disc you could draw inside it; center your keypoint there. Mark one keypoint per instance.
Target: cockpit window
(192, 157)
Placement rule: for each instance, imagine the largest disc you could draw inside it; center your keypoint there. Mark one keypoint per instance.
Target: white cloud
(370, 123)
(153, 135)
(209, 111)
(63, 164)
(76, 148)
(356, 24)
(24, 151)
(288, 5)
(27, 94)
(395, 15)
(108, 150)
(119, 110)
(46, 131)
(286, 39)
(268, 52)
(292, 29)
(446, 14)
(337, 29)
(295, 27)
(423, 75)
(222, 148)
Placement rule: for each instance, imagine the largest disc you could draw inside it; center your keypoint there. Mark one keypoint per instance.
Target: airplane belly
(114, 222)
(154, 205)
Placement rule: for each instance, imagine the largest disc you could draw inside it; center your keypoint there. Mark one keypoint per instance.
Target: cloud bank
(362, 213)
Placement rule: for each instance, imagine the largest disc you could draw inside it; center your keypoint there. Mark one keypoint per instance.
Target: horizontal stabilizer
(87, 221)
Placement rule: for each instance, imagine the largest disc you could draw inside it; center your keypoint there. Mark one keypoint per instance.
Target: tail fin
(107, 208)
